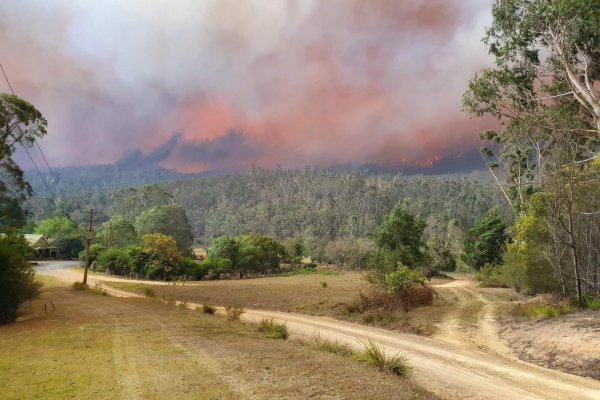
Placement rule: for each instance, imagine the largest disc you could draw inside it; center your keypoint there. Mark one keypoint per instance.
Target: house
(41, 245)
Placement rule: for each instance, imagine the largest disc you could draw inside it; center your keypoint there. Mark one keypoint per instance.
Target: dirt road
(451, 370)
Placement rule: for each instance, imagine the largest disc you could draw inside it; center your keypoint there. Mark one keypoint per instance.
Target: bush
(375, 355)
(490, 276)
(79, 286)
(208, 309)
(402, 280)
(414, 297)
(114, 260)
(545, 306)
(150, 293)
(272, 329)
(234, 312)
(324, 284)
(332, 346)
(192, 268)
(17, 283)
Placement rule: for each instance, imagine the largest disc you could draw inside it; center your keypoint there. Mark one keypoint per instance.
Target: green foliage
(162, 255)
(65, 232)
(114, 260)
(117, 232)
(169, 220)
(95, 250)
(17, 283)
(70, 247)
(400, 233)
(375, 354)
(272, 329)
(486, 240)
(402, 280)
(313, 206)
(225, 247)
(131, 202)
(331, 346)
(490, 276)
(20, 124)
(137, 259)
(193, 268)
(247, 254)
(216, 266)
(543, 311)
(350, 252)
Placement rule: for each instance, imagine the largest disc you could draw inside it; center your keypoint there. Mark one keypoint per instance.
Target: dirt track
(451, 370)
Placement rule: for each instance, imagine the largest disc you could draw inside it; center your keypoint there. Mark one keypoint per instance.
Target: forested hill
(286, 203)
(319, 203)
(104, 177)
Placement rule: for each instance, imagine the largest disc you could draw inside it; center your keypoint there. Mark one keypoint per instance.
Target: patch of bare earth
(570, 343)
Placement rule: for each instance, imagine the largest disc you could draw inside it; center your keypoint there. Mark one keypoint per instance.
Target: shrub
(272, 329)
(403, 279)
(193, 268)
(208, 309)
(414, 297)
(331, 346)
(150, 293)
(114, 260)
(17, 283)
(324, 284)
(234, 312)
(544, 306)
(490, 276)
(374, 354)
(79, 286)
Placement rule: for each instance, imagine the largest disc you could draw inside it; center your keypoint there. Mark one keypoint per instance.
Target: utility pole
(88, 238)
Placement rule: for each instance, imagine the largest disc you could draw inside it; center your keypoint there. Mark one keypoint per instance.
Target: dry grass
(109, 348)
(304, 294)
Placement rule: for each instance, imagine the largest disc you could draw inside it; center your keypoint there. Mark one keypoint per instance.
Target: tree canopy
(20, 124)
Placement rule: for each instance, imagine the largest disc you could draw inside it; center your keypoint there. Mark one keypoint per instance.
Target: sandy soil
(569, 342)
(450, 370)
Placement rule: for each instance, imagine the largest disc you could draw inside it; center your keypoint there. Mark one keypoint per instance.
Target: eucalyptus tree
(544, 86)
(20, 124)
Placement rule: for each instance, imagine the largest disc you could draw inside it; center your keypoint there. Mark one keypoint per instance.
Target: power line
(7, 81)
(41, 152)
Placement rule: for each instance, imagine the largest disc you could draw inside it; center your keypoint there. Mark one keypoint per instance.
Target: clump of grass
(208, 309)
(98, 290)
(150, 293)
(324, 284)
(593, 304)
(234, 312)
(375, 355)
(331, 346)
(183, 305)
(79, 287)
(170, 300)
(543, 310)
(272, 329)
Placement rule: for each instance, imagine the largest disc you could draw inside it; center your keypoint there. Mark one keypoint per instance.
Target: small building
(41, 245)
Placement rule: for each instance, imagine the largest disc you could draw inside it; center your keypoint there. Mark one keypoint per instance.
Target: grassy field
(338, 298)
(101, 347)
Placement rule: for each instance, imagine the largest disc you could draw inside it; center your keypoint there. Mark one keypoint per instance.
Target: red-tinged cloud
(258, 82)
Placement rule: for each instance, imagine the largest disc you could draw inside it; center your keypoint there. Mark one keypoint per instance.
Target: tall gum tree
(545, 86)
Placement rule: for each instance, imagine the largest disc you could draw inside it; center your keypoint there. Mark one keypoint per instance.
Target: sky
(201, 85)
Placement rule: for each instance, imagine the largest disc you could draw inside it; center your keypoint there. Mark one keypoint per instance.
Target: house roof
(36, 240)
